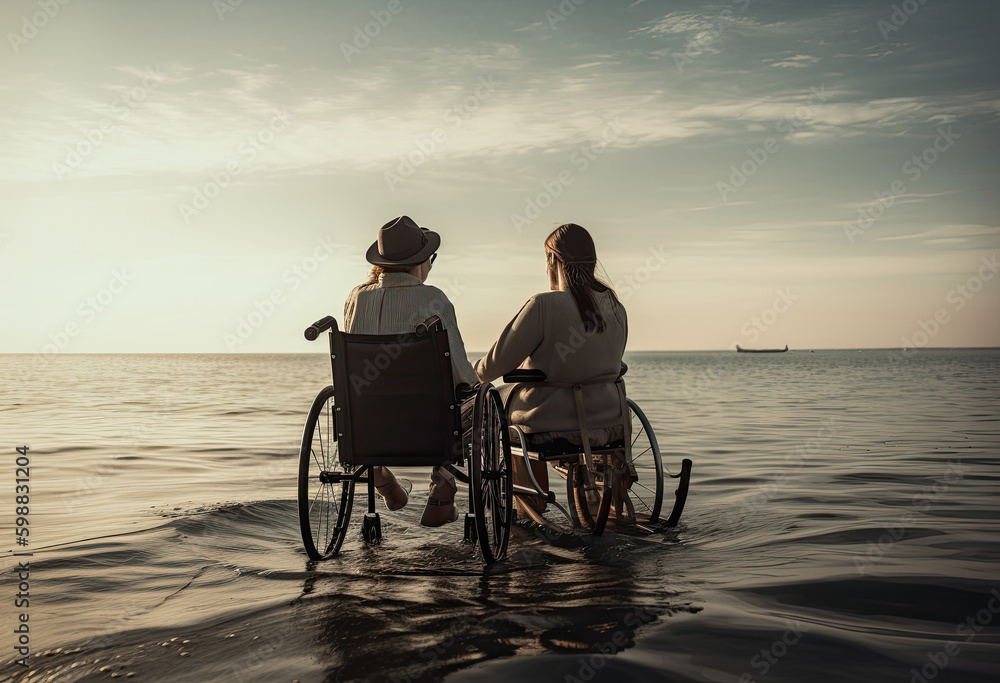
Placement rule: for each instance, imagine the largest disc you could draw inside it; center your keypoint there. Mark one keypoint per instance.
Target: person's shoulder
(552, 296)
(361, 288)
(434, 296)
(432, 291)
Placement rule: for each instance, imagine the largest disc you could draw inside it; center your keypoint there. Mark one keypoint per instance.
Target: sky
(206, 176)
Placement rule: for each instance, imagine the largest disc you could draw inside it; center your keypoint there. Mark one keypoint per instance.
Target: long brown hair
(574, 248)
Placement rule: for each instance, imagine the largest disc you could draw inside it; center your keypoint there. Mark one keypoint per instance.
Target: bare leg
(440, 507)
(385, 483)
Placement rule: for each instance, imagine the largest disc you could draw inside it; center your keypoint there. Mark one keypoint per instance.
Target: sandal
(440, 508)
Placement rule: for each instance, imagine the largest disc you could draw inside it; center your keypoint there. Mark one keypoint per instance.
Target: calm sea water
(843, 525)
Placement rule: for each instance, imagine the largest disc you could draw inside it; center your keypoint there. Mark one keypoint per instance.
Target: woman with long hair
(574, 333)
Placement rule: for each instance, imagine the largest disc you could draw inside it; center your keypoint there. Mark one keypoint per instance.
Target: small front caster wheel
(371, 528)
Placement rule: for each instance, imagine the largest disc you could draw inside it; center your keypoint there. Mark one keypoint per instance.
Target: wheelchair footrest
(471, 536)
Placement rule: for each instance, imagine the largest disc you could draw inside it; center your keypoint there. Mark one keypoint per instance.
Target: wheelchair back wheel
(591, 505)
(490, 475)
(324, 500)
(646, 493)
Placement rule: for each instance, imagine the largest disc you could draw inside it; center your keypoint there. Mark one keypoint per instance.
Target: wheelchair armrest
(524, 375)
(464, 391)
(623, 370)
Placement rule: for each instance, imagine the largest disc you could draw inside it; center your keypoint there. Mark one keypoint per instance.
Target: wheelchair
(393, 402)
(624, 477)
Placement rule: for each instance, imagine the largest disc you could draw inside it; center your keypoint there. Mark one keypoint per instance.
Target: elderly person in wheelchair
(394, 301)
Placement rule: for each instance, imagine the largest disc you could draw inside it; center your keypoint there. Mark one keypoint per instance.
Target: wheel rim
(324, 507)
(492, 495)
(646, 494)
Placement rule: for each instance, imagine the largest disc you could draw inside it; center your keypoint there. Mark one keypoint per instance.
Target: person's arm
(518, 341)
(625, 325)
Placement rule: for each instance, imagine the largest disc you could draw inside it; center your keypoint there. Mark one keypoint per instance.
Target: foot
(440, 509)
(386, 486)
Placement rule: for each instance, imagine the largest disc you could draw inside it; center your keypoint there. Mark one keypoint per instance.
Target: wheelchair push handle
(320, 326)
(433, 322)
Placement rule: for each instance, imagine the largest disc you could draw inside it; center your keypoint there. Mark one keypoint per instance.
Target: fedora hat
(401, 242)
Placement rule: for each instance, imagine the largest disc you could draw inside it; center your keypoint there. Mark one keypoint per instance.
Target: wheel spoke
(495, 497)
(319, 429)
(329, 434)
(319, 465)
(647, 450)
(318, 493)
(317, 531)
(326, 514)
(636, 483)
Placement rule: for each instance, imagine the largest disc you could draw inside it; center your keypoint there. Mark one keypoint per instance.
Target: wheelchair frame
(338, 463)
(593, 474)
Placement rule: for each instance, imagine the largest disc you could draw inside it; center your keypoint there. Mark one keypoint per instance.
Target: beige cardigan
(548, 335)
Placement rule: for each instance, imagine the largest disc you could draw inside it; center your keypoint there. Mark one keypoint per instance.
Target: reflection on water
(842, 524)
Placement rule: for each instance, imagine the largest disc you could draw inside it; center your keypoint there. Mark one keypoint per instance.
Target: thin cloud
(797, 62)
(684, 23)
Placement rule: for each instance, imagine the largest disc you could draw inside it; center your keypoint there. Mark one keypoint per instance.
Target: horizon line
(305, 353)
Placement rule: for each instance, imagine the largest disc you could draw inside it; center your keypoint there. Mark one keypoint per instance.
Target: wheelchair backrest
(395, 399)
